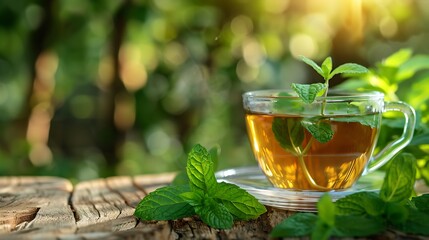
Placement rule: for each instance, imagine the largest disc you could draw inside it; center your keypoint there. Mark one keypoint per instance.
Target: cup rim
(333, 94)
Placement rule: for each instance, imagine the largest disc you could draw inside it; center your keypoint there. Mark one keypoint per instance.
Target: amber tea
(300, 161)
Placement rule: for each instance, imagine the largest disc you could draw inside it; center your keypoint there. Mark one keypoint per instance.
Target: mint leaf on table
(297, 225)
(416, 223)
(164, 204)
(360, 203)
(214, 214)
(216, 203)
(396, 213)
(326, 210)
(326, 221)
(421, 203)
(365, 213)
(400, 178)
(320, 130)
(200, 170)
(239, 203)
(321, 231)
(358, 226)
(308, 92)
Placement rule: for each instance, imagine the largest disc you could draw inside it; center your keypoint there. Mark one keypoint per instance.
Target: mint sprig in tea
(305, 140)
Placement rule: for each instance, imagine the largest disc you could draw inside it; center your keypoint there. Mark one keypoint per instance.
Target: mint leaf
(164, 204)
(193, 198)
(178, 201)
(285, 104)
(312, 64)
(239, 203)
(288, 132)
(214, 214)
(349, 68)
(326, 210)
(416, 223)
(399, 180)
(361, 203)
(326, 220)
(421, 203)
(200, 170)
(396, 213)
(358, 226)
(367, 120)
(321, 231)
(308, 92)
(297, 225)
(320, 130)
(214, 156)
(327, 68)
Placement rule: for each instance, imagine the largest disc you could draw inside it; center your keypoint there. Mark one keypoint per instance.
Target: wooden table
(52, 208)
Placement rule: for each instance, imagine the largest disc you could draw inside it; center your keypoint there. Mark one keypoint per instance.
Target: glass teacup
(323, 146)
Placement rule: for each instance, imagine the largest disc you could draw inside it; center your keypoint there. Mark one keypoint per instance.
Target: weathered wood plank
(125, 187)
(149, 183)
(42, 208)
(95, 202)
(33, 202)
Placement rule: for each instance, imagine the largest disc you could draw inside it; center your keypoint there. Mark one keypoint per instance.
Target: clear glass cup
(323, 146)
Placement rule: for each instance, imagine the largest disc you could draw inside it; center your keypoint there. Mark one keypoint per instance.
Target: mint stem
(322, 111)
(300, 155)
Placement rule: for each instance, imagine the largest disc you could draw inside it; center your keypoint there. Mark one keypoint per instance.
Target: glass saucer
(254, 181)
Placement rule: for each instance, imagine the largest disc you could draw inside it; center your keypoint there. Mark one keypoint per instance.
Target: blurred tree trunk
(111, 137)
(38, 43)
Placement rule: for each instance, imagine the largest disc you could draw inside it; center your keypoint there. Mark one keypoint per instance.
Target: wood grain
(51, 208)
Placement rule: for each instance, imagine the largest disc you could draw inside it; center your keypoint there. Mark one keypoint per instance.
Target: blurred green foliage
(98, 88)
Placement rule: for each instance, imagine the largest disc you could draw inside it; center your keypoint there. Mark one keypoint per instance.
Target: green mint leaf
(358, 226)
(326, 221)
(326, 210)
(200, 170)
(297, 225)
(313, 65)
(286, 104)
(399, 180)
(239, 203)
(288, 132)
(370, 120)
(193, 198)
(214, 156)
(349, 68)
(214, 214)
(416, 223)
(164, 204)
(327, 68)
(421, 203)
(308, 92)
(320, 130)
(361, 203)
(321, 231)
(396, 213)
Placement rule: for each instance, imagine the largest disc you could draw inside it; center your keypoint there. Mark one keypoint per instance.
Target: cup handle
(394, 147)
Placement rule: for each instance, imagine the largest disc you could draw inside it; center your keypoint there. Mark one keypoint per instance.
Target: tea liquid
(336, 164)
